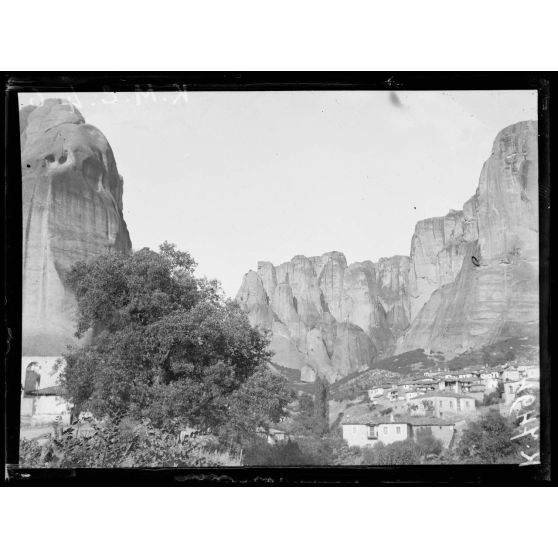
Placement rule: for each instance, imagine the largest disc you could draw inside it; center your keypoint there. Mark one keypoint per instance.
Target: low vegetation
(522, 348)
(488, 440)
(123, 443)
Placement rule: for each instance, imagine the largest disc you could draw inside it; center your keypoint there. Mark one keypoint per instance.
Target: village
(442, 401)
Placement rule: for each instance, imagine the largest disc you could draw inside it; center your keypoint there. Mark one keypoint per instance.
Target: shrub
(406, 452)
(491, 398)
(428, 444)
(488, 441)
(114, 443)
(262, 454)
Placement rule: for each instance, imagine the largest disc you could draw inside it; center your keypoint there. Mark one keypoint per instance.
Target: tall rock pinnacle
(72, 210)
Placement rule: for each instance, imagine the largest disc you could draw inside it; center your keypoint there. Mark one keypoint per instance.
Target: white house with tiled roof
(368, 430)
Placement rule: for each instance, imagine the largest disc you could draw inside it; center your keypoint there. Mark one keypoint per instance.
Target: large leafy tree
(167, 345)
(488, 440)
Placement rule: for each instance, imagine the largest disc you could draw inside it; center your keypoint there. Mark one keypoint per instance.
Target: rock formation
(487, 270)
(328, 317)
(437, 250)
(72, 210)
(471, 279)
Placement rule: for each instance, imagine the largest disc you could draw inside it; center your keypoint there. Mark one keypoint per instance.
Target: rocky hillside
(471, 279)
(72, 210)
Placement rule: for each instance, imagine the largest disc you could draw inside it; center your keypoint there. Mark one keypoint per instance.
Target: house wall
(513, 375)
(445, 406)
(357, 435)
(43, 409)
(50, 405)
(399, 407)
(27, 406)
(393, 432)
(467, 405)
(490, 384)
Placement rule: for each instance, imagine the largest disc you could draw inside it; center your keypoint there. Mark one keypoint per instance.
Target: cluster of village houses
(439, 401)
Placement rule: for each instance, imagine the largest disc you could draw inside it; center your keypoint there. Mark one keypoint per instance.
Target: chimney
(391, 418)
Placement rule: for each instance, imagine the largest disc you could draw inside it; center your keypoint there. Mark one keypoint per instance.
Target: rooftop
(444, 394)
(371, 419)
(52, 390)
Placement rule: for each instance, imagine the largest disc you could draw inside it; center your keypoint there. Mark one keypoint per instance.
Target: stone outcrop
(471, 279)
(437, 250)
(494, 293)
(72, 210)
(392, 275)
(327, 316)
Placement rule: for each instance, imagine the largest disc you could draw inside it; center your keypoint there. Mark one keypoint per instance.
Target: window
(398, 430)
(354, 429)
(466, 403)
(451, 404)
(385, 429)
(440, 403)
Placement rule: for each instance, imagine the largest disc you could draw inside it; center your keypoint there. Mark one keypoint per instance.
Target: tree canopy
(488, 441)
(167, 345)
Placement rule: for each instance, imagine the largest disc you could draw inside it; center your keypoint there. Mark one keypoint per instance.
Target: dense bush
(491, 398)
(282, 454)
(428, 444)
(406, 452)
(303, 450)
(114, 443)
(488, 441)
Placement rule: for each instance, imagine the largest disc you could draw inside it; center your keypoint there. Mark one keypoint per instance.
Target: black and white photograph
(300, 249)
(280, 278)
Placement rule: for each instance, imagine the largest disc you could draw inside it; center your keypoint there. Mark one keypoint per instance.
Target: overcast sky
(236, 177)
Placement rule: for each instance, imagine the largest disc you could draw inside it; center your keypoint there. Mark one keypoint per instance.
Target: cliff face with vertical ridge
(326, 314)
(471, 279)
(72, 210)
(494, 293)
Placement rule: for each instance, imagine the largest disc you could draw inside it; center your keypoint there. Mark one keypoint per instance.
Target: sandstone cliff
(486, 272)
(72, 210)
(471, 279)
(328, 317)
